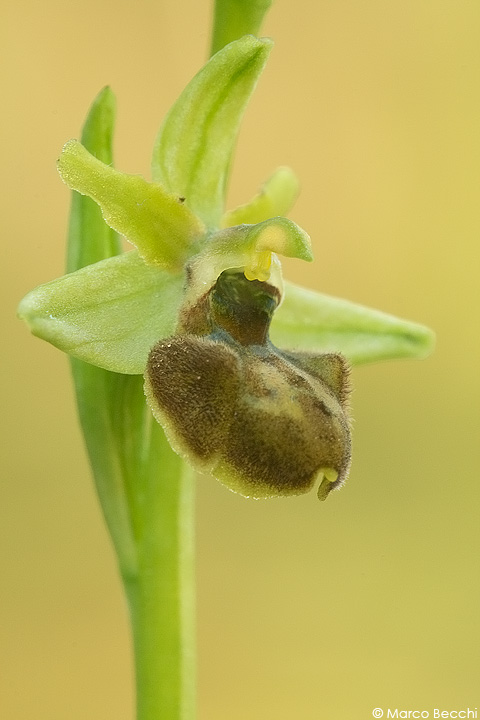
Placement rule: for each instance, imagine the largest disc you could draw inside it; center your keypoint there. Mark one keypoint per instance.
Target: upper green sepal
(192, 153)
(157, 222)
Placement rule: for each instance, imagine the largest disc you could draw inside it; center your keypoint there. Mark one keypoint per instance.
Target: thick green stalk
(144, 488)
(161, 592)
(161, 596)
(235, 18)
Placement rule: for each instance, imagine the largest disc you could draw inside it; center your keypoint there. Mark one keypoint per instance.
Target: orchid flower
(191, 307)
(247, 374)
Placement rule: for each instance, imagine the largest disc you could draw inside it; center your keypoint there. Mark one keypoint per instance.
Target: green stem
(161, 594)
(145, 489)
(234, 18)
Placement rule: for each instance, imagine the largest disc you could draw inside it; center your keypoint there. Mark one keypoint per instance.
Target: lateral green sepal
(112, 313)
(310, 321)
(109, 314)
(157, 222)
(193, 150)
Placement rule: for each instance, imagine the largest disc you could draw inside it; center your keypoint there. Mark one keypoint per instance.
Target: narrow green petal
(307, 320)
(276, 197)
(157, 222)
(109, 314)
(193, 150)
(235, 18)
(90, 239)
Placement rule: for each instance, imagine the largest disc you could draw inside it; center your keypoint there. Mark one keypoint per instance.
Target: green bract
(198, 277)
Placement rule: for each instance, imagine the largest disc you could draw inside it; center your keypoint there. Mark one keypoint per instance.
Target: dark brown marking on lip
(266, 422)
(194, 381)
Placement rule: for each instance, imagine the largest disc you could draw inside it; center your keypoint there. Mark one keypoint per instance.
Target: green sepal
(276, 197)
(112, 314)
(310, 321)
(234, 18)
(109, 314)
(193, 149)
(157, 222)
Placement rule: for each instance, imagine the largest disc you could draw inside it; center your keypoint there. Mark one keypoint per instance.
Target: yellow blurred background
(305, 610)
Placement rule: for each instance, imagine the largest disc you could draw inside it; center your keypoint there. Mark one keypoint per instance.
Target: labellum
(263, 421)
